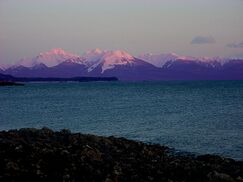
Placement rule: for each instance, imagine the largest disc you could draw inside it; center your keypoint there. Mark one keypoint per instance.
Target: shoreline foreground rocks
(45, 155)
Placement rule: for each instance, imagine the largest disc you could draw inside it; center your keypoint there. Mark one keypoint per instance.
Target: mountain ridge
(58, 63)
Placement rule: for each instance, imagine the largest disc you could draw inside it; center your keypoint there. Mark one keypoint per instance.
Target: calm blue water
(199, 117)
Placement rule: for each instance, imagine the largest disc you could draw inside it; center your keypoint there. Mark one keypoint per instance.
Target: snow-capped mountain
(117, 63)
(92, 63)
(124, 66)
(177, 67)
(50, 58)
(3, 67)
(120, 64)
(165, 60)
(106, 59)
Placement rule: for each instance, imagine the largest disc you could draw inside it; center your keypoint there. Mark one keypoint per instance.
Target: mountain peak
(56, 51)
(127, 67)
(113, 58)
(49, 58)
(118, 54)
(107, 59)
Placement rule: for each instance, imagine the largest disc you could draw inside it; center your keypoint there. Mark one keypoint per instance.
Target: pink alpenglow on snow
(50, 58)
(109, 59)
(124, 66)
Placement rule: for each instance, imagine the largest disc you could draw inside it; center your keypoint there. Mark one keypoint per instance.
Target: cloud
(235, 45)
(203, 40)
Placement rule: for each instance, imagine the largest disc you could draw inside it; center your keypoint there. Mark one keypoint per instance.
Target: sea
(195, 117)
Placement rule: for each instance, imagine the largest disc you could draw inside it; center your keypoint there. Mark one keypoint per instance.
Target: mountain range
(102, 63)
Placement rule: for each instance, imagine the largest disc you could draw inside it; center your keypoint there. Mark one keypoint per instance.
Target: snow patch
(107, 59)
(50, 58)
(4, 67)
(113, 58)
(161, 60)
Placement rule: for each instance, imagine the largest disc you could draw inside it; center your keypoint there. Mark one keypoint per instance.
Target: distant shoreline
(43, 154)
(10, 83)
(77, 79)
(15, 81)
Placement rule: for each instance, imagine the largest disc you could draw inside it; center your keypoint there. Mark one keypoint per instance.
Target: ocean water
(193, 116)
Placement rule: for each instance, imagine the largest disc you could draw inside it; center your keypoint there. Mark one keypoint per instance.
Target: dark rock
(44, 155)
(215, 176)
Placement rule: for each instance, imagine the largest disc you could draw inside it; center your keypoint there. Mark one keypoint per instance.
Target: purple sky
(186, 27)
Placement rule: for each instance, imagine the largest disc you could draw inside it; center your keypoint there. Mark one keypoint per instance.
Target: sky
(185, 27)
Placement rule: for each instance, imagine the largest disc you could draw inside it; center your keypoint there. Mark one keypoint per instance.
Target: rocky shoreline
(45, 155)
